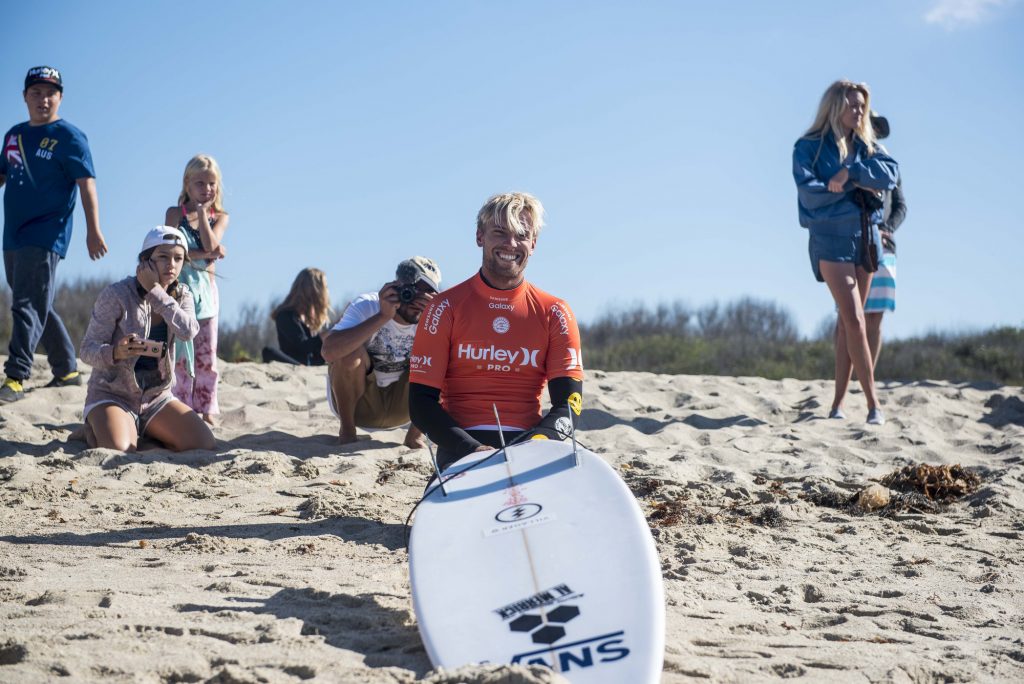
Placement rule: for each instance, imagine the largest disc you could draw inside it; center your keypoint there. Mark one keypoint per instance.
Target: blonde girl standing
(200, 215)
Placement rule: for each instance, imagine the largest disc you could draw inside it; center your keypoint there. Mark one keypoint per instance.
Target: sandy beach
(281, 557)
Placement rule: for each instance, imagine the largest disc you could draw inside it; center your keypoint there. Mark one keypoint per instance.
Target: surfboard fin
(501, 433)
(575, 454)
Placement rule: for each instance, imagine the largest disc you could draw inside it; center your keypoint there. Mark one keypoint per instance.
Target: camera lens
(407, 293)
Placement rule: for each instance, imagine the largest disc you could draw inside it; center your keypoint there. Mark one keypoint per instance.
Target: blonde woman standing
(835, 163)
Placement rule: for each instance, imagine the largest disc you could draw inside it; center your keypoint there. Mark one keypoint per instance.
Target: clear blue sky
(657, 134)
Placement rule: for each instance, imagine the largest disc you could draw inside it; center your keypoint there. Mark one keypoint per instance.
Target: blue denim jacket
(815, 161)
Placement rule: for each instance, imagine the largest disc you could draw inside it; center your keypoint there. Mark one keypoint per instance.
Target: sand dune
(281, 557)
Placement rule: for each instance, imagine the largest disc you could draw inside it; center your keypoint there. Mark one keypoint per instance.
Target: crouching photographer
(368, 352)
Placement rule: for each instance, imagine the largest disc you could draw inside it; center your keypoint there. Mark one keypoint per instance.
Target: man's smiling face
(505, 254)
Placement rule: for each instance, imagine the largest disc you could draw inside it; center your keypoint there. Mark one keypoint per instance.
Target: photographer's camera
(407, 292)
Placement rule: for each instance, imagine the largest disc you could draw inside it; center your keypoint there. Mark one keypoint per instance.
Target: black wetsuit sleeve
(295, 340)
(559, 391)
(427, 414)
(899, 209)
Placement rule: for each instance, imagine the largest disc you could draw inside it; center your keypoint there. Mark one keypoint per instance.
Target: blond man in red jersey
(496, 339)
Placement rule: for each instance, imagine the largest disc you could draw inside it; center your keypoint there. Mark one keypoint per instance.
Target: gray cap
(419, 268)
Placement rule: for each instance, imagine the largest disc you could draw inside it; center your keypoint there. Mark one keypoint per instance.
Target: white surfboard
(534, 559)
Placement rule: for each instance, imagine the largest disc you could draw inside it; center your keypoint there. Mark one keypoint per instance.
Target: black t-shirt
(147, 368)
(296, 340)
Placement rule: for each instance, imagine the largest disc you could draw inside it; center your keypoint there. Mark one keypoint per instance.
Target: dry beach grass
(281, 557)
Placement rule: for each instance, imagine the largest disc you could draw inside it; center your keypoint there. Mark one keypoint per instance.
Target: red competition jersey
(481, 346)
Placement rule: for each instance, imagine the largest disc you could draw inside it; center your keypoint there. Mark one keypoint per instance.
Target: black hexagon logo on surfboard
(545, 629)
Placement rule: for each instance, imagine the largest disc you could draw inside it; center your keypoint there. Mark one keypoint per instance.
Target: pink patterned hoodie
(119, 311)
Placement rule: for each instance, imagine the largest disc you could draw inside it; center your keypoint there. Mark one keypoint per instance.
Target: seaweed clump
(388, 470)
(770, 516)
(644, 487)
(829, 498)
(936, 483)
(677, 511)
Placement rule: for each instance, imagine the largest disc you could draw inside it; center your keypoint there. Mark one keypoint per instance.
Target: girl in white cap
(130, 346)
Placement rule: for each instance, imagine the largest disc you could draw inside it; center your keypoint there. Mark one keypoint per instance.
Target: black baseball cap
(44, 74)
(880, 124)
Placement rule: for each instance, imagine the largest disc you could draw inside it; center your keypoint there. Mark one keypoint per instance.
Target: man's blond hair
(515, 211)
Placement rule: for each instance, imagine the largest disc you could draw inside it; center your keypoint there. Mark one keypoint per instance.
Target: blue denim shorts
(846, 249)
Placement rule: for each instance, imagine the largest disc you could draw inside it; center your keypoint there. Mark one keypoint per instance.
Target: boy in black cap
(45, 161)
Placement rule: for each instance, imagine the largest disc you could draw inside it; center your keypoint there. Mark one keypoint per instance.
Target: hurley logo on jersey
(498, 358)
(575, 359)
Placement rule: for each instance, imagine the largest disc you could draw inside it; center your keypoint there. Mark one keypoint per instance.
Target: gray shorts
(379, 407)
(141, 418)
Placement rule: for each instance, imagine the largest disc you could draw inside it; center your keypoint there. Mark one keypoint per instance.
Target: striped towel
(882, 295)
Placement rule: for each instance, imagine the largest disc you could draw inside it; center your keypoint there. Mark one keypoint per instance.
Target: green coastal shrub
(744, 337)
(751, 337)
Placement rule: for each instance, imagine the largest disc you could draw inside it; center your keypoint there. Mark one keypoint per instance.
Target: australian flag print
(12, 152)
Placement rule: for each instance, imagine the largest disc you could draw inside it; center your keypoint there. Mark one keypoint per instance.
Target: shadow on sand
(311, 446)
(596, 419)
(385, 636)
(349, 528)
(1004, 411)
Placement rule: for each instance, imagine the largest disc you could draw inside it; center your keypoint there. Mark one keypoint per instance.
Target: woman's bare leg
(844, 367)
(849, 286)
(874, 324)
(180, 428)
(112, 428)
